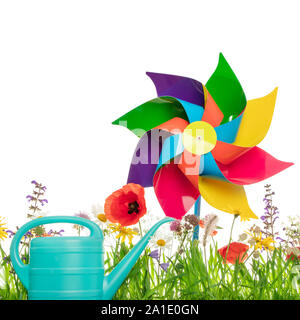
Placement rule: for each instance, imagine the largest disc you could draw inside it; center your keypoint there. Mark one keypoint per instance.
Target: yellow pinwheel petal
(256, 120)
(226, 196)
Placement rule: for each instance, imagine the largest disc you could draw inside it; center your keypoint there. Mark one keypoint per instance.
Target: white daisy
(98, 214)
(161, 241)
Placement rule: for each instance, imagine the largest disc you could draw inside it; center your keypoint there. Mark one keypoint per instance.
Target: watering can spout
(113, 281)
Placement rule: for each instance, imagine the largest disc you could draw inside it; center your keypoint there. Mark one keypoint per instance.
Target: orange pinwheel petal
(212, 114)
(175, 125)
(189, 165)
(225, 153)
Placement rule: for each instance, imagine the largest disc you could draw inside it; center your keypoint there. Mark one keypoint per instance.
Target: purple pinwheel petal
(154, 254)
(263, 218)
(146, 157)
(34, 182)
(178, 87)
(165, 266)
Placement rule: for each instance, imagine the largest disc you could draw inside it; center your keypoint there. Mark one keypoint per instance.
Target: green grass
(11, 287)
(187, 277)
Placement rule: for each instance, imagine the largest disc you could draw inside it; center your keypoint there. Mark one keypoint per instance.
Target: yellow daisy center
(161, 242)
(101, 217)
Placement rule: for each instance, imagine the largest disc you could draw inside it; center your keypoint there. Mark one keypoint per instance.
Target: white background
(69, 68)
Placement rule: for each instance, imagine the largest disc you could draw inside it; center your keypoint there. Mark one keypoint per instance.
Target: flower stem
(230, 237)
(140, 226)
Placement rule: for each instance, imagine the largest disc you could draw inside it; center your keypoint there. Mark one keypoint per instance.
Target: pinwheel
(201, 140)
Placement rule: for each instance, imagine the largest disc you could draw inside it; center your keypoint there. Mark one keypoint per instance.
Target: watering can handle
(23, 270)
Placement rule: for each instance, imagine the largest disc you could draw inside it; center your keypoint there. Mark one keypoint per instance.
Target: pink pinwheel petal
(253, 166)
(174, 191)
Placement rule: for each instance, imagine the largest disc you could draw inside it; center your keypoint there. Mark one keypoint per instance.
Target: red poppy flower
(126, 205)
(237, 251)
(292, 255)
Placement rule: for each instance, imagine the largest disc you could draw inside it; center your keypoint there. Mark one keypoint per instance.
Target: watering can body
(71, 268)
(66, 268)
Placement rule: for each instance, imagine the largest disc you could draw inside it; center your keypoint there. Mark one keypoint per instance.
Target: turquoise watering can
(62, 268)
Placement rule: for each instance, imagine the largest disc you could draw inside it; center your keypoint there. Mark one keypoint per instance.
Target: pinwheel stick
(197, 208)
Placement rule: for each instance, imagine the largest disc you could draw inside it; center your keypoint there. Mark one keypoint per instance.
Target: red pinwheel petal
(253, 166)
(225, 153)
(174, 191)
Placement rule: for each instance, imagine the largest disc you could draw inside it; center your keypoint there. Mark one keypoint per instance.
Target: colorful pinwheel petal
(201, 140)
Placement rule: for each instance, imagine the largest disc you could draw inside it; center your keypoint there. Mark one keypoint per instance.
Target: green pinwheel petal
(151, 114)
(226, 90)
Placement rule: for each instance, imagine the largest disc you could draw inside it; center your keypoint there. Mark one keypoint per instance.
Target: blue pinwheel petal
(172, 148)
(209, 167)
(193, 111)
(227, 132)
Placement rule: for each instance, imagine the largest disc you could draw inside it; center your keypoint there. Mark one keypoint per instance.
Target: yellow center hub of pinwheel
(199, 137)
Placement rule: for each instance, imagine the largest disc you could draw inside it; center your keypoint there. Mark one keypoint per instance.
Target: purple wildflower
(6, 259)
(165, 265)
(29, 197)
(43, 201)
(34, 199)
(11, 233)
(154, 254)
(28, 234)
(58, 233)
